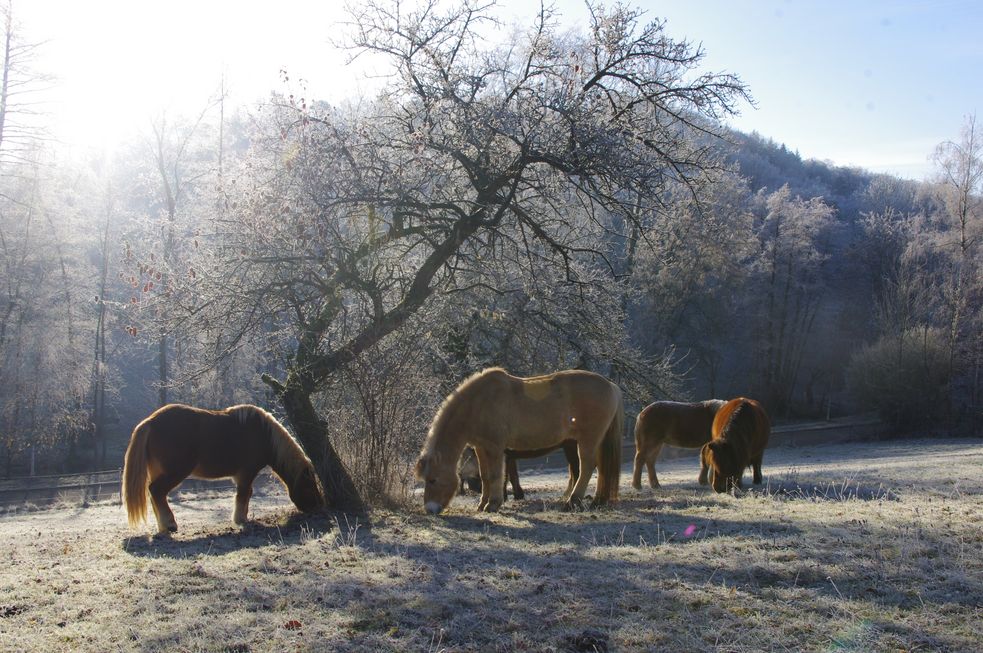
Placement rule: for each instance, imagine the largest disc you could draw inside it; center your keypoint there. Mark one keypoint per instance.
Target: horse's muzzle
(433, 507)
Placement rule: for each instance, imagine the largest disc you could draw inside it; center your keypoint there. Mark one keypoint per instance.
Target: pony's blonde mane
(737, 419)
(444, 413)
(289, 458)
(732, 417)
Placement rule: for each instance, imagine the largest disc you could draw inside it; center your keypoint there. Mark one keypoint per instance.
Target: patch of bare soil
(865, 547)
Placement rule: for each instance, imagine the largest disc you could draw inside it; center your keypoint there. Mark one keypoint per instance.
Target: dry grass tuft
(847, 547)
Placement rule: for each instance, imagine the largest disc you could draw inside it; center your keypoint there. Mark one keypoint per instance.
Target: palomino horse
(178, 441)
(467, 470)
(670, 422)
(494, 411)
(740, 435)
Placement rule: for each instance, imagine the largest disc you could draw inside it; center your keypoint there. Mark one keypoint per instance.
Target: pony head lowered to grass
(493, 411)
(740, 435)
(178, 441)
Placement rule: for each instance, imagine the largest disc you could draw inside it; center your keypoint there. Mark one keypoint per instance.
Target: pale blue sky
(870, 83)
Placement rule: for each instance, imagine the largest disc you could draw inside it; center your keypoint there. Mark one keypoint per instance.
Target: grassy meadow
(850, 547)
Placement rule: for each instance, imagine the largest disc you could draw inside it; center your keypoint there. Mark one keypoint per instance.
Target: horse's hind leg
(588, 462)
(653, 453)
(756, 468)
(636, 474)
(573, 467)
(512, 471)
(159, 488)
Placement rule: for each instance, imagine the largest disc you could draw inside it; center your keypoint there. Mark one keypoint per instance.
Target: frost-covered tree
(960, 240)
(348, 221)
(790, 235)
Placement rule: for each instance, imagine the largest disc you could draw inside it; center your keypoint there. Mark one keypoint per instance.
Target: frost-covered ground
(863, 547)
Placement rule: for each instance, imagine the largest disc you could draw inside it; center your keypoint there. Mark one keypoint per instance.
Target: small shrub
(902, 376)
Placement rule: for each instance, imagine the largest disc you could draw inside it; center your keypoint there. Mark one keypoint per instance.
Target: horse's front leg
(244, 492)
(703, 479)
(491, 468)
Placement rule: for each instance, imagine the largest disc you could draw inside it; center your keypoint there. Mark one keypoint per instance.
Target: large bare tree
(348, 220)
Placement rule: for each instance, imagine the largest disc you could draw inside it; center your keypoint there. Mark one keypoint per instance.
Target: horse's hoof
(519, 496)
(573, 504)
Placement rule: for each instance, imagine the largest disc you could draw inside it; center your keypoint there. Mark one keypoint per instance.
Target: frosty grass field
(847, 547)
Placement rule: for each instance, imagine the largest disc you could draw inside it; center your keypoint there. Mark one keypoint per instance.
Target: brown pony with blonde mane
(740, 435)
(494, 411)
(177, 441)
(670, 422)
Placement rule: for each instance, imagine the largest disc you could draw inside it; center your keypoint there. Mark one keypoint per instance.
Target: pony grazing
(740, 435)
(467, 470)
(178, 441)
(494, 411)
(670, 422)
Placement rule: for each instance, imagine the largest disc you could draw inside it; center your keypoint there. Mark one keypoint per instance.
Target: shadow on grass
(284, 528)
(537, 582)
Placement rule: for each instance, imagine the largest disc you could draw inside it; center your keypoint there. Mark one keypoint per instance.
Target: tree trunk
(340, 492)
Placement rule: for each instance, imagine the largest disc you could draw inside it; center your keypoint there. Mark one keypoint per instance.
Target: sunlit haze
(872, 84)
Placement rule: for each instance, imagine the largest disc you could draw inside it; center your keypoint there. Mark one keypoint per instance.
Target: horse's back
(543, 411)
(203, 443)
(678, 423)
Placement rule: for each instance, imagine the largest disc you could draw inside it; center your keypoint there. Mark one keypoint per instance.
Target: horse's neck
(449, 445)
(281, 460)
(450, 439)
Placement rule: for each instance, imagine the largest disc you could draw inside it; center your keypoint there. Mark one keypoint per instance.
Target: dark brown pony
(494, 411)
(740, 435)
(178, 441)
(467, 470)
(670, 422)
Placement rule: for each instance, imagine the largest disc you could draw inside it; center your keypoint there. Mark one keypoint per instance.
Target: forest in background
(567, 201)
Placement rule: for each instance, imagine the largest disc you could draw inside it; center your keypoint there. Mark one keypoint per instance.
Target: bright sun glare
(118, 64)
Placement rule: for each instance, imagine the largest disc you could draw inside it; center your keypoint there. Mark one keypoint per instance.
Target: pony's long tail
(609, 460)
(133, 490)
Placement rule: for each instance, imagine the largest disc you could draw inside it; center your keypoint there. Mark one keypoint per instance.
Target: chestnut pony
(178, 441)
(467, 470)
(494, 411)
(670, 422)
(740, 435)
